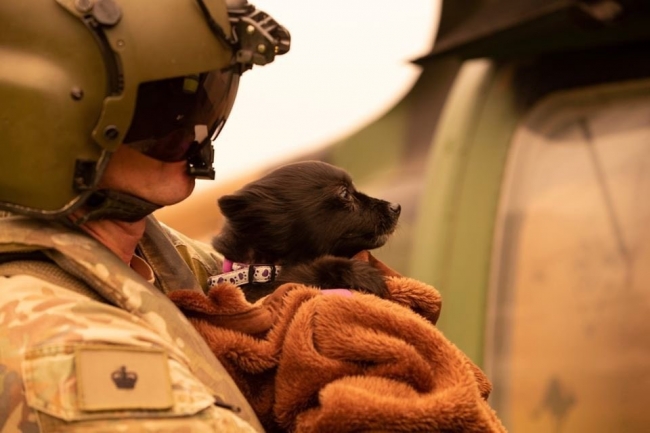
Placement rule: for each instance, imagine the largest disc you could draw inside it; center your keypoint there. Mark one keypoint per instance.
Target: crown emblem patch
(124, 379)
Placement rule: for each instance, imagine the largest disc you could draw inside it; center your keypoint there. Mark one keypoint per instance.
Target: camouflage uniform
(87, 345)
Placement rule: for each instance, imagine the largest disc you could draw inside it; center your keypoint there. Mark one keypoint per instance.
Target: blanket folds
(309, 361)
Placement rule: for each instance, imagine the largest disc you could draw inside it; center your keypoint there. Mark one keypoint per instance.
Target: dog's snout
(395, 208)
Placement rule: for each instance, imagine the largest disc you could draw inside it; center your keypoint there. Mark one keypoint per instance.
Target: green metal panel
(376, 148)
(454, 232)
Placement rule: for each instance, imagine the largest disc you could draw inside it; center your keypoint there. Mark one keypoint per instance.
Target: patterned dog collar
(243, 273)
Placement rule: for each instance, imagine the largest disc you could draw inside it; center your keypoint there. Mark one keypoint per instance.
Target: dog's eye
(344, 193)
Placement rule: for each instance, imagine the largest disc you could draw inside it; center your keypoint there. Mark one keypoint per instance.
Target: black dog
(304, 221)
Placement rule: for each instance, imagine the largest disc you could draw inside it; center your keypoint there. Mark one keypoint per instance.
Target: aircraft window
(568, 347)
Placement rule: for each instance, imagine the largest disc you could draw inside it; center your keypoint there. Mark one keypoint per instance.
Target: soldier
(108, 111)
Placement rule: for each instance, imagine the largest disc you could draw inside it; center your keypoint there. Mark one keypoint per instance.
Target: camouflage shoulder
(203, 260)
(70, 363)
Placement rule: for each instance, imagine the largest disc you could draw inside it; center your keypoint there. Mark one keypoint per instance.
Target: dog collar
(244, 273)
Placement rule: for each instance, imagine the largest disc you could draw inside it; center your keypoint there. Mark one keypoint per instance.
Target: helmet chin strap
(115, 205)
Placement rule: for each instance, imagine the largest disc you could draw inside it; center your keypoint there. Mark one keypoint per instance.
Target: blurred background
(516, 136)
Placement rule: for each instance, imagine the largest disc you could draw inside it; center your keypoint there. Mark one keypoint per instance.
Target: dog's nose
(395, 208)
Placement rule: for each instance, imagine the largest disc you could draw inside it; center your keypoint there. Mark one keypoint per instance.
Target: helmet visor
(169, 112)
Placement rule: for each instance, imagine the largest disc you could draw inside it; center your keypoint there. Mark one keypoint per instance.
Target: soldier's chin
(172, 193)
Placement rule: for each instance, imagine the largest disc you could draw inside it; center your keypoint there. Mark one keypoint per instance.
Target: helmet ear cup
(53, 83)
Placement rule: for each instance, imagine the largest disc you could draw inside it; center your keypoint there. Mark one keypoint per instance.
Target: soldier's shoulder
(199, 256)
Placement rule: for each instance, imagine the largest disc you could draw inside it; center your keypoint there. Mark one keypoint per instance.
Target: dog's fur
(308, 218)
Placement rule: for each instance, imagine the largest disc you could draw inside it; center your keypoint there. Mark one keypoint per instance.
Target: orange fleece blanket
(316, 361)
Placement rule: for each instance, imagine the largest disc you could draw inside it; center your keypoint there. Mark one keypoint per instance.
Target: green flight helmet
(78, 78)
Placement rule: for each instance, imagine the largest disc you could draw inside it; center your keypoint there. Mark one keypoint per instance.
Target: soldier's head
(87, 82)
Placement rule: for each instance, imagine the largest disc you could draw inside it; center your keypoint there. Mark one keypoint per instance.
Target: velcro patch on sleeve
(114, 378)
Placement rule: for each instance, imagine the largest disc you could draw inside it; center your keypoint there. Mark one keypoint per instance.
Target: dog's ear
(232, 204)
